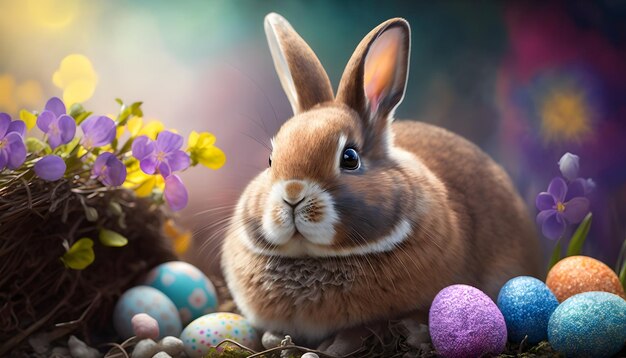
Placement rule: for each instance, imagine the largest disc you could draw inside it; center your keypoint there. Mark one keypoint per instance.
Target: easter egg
(465, 322)
(526, 304)
(590, 324)
(577, 274)
(145, 299)
(209, 330)
(190, 290)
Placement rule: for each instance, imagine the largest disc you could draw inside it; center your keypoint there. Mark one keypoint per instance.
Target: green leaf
(69, 147)
(112, 239)
(135, 109)
(80, 255)
(575, 246)
(90, 213)
(556, 255)
(76, 110)
(115, 208)
(119, 101)
(36, 146)
(81, 117)
(622, 275)
(620, 265)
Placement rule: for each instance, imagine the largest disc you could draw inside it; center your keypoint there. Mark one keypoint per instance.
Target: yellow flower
(181, 238)
(134, 125)
(201, 150)
(119, 132)
(77, 78)
(143, 184)
(29, 119)
(565, 115)
(151, 129)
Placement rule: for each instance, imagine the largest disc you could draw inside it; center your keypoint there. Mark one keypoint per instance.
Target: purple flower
(109, 169)
(175, 192)
(561, 206)
(12, 148)
(162, 155)
(53, 121)
(50, 168)
(97, 131)
(569, 165)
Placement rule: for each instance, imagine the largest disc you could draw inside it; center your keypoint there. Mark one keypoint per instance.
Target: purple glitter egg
(465, 322)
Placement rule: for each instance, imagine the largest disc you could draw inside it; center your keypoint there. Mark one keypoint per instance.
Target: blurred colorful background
(526, 81)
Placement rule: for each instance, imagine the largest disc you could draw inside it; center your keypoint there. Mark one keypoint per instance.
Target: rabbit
(359, 218)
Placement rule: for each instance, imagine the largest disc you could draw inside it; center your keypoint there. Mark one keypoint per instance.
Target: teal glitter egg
(589, 324)
(526, 304)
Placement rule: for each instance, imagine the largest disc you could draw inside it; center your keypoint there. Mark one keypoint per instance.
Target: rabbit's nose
(294, 193)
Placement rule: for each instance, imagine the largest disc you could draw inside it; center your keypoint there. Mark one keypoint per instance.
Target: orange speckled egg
(577, 274)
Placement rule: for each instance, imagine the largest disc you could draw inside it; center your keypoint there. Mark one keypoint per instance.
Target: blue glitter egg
(526, 304)
(589, 324)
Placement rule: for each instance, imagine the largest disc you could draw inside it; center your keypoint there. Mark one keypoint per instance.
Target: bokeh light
(76, 77)
(53, 14)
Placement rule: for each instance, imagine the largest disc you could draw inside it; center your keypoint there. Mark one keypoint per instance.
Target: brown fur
(468, 223)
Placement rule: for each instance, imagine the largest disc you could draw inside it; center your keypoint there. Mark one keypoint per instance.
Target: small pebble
(60, 352)
(310, 355)
(417, 333)
(145, 348)
(161, 355)
(39, 342)
(271, 340)
(144, 326)
(78, 349)
(171, 345)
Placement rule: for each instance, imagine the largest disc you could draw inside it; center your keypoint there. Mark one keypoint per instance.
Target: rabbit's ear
(301, 74)
(374, 80)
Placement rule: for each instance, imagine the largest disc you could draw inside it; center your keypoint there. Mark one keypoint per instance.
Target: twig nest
(144, 326)
(171, 345)
(78, 349)
(577, 274)
(145, 348)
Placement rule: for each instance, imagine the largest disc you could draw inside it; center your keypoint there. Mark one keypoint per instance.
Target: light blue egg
(145, 299)
(589, 324)
(191, 291)
(526, 304)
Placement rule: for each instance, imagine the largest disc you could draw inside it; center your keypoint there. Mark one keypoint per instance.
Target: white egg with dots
(211, 329)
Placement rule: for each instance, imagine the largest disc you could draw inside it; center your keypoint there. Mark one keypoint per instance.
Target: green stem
(556, 254)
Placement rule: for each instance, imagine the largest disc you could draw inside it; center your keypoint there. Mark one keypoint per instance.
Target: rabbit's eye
(350, 159)
(270, 160)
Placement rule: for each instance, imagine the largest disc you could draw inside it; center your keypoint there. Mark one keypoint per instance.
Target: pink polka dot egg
(211, 329)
